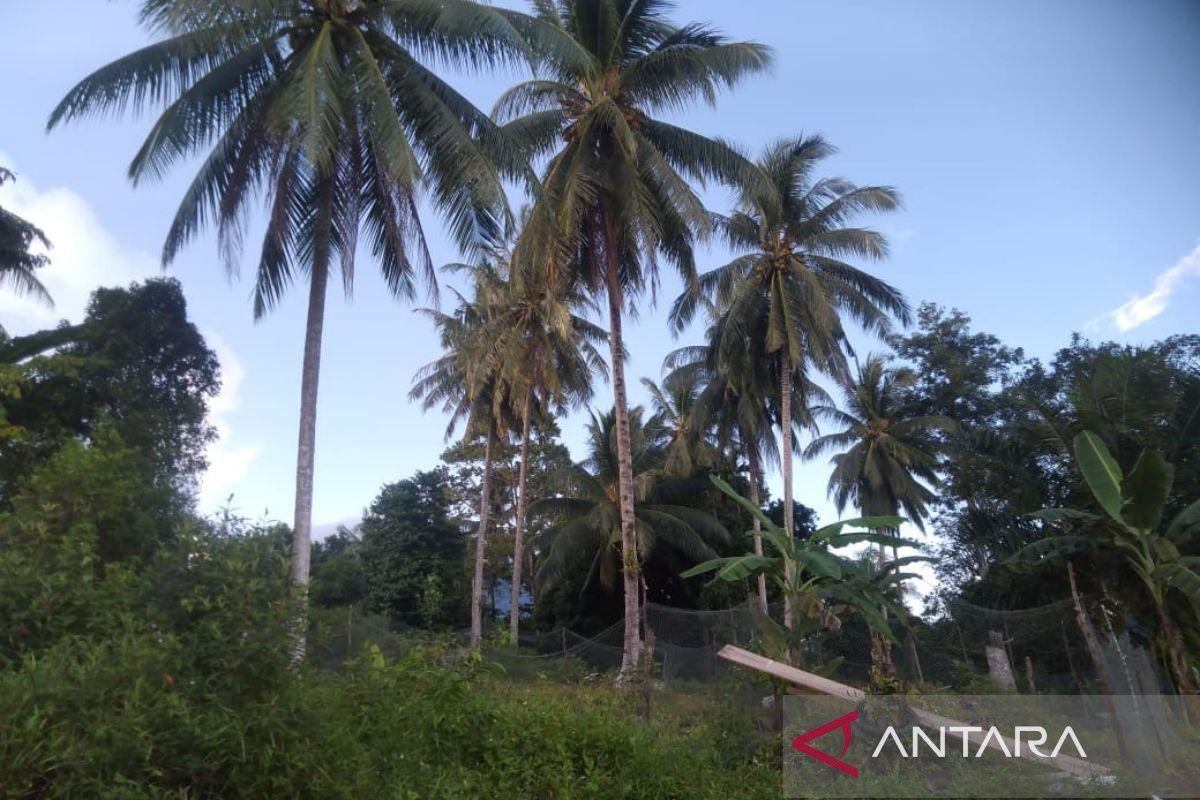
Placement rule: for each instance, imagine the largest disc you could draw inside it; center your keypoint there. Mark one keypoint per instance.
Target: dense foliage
(135, 364)
(413, 554)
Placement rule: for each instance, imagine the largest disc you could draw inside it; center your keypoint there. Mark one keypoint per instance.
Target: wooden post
(1008, 640)
(999, 667)
(963, 644)
(1029, 675)
(1070, 659)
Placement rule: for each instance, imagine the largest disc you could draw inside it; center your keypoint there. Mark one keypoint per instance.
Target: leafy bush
(118, 719)
(138, 661)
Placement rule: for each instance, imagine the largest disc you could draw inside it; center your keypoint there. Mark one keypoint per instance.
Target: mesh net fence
(966, 647)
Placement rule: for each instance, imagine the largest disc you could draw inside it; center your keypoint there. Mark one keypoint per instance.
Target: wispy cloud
(1141, 310)
(227, 463)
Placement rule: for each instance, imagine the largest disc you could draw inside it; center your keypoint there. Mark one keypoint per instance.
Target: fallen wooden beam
(791, 674)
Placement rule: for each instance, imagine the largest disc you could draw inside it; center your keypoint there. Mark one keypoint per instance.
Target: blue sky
(1046, 151)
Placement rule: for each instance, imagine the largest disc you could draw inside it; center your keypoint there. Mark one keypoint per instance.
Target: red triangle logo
(800, 743)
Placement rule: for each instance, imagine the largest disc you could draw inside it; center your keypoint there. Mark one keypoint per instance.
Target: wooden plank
(789, 673)
(754, 661)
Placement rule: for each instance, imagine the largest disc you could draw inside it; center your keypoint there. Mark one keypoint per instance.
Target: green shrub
(117, 719)
(455, 730)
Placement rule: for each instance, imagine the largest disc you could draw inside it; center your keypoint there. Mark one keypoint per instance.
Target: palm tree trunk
(631, 649)
(310, 374)
(785, 456)
(514, 601)
(485, 498)
(883, 667)
(755, 483)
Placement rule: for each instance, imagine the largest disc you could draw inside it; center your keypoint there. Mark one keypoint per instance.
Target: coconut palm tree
(737, 405)
(326, 109)
(542, 347)
(784, 294)
(17, 263)
(615, 194)
(470, 388)
(676, 536)
(675, 405)
(882, 455)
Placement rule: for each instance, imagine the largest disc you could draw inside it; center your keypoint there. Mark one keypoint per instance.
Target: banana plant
(821, 585)
(1131, 529)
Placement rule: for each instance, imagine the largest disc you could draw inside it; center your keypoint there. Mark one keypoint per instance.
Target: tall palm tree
(784, 294)
(615, 192)
(17, 263)
(542, 347)
(327, 110)
(882, 455)
(469, 387)
(674, 535)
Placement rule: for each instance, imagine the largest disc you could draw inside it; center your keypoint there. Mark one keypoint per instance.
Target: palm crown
(885, 454)
(617, 186)
(325, 108)
(788, 286)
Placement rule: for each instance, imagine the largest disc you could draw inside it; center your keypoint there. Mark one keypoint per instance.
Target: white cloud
(227, 463)
(1141, 310)
(84, 256)
(323, 530)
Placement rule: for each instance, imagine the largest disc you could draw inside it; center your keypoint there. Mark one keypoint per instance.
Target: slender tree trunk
(910, 644)
(514, 611)
(630, 565)
(785, 456)
(1090, 638)
(485, 497)
(306, 451)
(755, 497)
